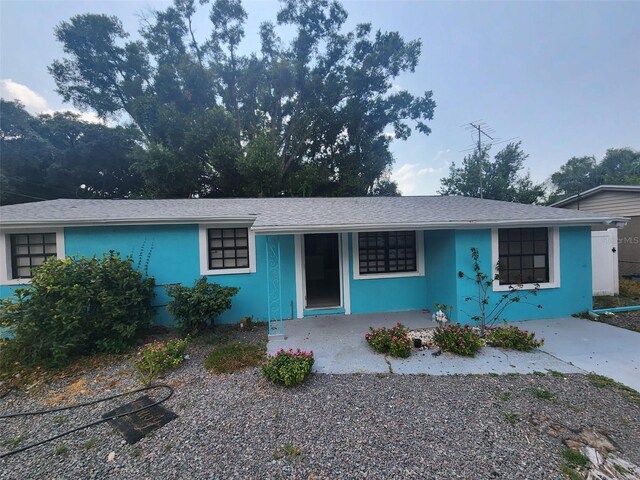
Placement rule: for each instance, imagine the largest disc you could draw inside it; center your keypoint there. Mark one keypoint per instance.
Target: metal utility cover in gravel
(135, 426)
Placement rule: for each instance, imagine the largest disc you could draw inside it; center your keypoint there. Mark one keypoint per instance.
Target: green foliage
(512, 337)
(543, 393)
(510, 417)
(157, 358)
(619, 166)
(490, 312)
(574, 458)
(458, 339)
(232, 357)
(501, 179)
(395, 341)
(61, 156)
(197, 307)
(306, 117)
(601, 381)
(76, 306)
(288, 367)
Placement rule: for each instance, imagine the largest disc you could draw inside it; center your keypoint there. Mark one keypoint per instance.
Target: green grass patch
(13, 442)
(89, 443)
(511, 418)
(600, 381)
(235, 356)
(288, 450)
(555, 373)
(574, 458)
(505, 396)
(620, 469)
(61, 449)
(570, 472)
(539, 374)
(543, 394)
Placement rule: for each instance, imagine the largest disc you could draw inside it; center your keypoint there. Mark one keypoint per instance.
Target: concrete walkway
(592, 346)
(339, 346)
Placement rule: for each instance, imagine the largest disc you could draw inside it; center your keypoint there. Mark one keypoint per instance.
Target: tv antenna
(481, 132)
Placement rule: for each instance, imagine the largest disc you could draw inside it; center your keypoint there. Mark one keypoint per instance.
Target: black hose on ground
(87, 425)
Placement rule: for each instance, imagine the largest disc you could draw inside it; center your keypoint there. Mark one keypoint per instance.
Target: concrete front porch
(339, 347)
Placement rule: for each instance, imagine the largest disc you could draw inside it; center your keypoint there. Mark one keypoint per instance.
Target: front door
(322, 270)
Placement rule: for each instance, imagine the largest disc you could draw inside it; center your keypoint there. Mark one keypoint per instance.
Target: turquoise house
(300, 257)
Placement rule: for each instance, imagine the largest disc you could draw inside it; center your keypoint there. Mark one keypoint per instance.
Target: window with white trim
(23, 251)
(227, 249)
(29, 251)
(526, 257)
(388, 254)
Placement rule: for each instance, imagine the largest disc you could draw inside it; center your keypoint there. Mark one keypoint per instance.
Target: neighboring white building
(621, 200)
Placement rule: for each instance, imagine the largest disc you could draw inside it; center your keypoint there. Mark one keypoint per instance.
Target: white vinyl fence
(604, 256)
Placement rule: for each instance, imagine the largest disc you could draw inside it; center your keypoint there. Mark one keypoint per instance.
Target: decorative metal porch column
(274, 286)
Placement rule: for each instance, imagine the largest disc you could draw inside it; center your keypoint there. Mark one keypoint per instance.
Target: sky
(561, 77)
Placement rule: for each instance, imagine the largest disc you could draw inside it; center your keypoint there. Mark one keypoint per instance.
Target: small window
(387, 252)
(29, 251)
(523, 256)
(228, 248)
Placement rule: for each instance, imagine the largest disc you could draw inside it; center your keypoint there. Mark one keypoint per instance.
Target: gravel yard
(333, 426)
(628, 320)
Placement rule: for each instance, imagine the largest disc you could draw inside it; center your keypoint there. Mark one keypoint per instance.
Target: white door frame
(343, 264)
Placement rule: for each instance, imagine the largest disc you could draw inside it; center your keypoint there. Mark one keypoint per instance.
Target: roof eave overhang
(248, 220)
(613, 222)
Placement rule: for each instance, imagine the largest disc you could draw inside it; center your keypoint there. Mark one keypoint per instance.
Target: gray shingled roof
(301, 214)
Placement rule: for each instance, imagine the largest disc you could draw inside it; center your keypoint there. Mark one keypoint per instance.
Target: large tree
(502, 177)
(61, 156)
(619, 166)
(309, 117)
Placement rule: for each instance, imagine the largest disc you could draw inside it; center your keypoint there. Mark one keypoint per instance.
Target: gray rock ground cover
(332, 426)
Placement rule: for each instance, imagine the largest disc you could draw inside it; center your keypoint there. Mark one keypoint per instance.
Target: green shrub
(513, 338)
(76, 306)
(394, 341)
(157, 358)
(462, 340)
(197, 307)
(288, 367)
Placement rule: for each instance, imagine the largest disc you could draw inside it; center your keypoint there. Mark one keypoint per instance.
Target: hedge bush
(462, 340)
(395, 341)
(197, 307)
(76, 306)
(512, 337)
(288, 367)
(157, 358)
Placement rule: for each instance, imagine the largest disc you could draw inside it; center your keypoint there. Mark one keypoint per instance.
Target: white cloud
(35, 103)
(421, 179)
(32, 101)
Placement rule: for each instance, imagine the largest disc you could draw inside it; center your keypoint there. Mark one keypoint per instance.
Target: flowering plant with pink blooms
(462, 340)
(395, 341)
(512, 337)
(156, 358)
(288, 367)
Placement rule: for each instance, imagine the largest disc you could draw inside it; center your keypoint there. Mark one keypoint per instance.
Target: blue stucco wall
(574, 294)
(386, 294)
(175, 259)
